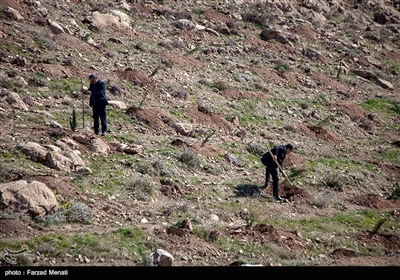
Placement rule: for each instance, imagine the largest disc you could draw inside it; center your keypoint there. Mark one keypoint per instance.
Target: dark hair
(92, 76)
(289, 146)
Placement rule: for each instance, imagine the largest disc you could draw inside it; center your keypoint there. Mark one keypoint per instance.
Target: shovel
(278, 165)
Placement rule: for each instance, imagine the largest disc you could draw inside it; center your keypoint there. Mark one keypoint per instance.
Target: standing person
(279, 152)
(98, 102)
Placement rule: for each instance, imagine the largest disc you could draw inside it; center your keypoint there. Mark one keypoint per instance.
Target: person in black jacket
(279, 153)
(98, 102)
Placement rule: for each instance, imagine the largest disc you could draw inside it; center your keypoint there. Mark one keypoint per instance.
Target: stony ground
(201, 89)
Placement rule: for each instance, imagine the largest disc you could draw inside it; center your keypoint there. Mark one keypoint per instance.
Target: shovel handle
(278, 165)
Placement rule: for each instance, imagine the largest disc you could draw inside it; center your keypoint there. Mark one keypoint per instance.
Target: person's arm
(99, 91)
(103, 90)
(281, 156)
(89, 90)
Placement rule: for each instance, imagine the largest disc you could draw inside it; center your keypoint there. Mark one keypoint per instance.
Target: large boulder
(33, 151)
(27, 197)
(59, 157)
(15, 101)
(98, 146)
(116, 19)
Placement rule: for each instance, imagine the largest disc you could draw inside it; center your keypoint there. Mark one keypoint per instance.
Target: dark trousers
(273, 172)
(99, 112)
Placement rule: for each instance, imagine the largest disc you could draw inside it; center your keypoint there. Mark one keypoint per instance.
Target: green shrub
(72, 120)
(220, 85)
(395, 195)
(190, 158)
(141, 188)
(79, 213)
(334, 181)
(256, 149)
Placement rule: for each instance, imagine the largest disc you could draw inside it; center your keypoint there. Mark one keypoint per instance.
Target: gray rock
(59, 157)
(98, 146)
(56, 28)
(384, 84)
(269, 34)
(184, 24)
(15, 101)
(161, 258)
(42, 12)
(313, 55)
(364, 74)
(14, 14)
(182, 128)
(117, 104)
(29, 197)
(116, 19)
(82, 137)
(33, 151)
(71, 143)
(135, 149)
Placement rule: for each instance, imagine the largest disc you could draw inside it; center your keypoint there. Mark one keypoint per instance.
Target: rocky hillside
(198, 91)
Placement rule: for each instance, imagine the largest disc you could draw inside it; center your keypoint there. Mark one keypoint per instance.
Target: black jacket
(279, 152)
(98, 96)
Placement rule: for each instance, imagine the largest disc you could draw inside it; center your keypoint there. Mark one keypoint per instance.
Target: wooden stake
(83, 107)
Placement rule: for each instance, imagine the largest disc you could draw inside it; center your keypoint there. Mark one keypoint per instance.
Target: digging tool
(83, 107)
(278, 165)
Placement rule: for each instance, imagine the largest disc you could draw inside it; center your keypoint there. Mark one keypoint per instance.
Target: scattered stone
(15, 101)
(14, 14)
(183, 128)
(313, 55)
(384, 84)
(42, 12)
(186, 224)
(98, 146)
(117, 104)
(381, 18)
(56, 27)
(161, 258)
(364, 74)
(82, 137)
(212, 31)
(116, 40)
(184, 24)
(19, 61)
(214, 218)
(235, 121)
(135, 149)
(269, 34)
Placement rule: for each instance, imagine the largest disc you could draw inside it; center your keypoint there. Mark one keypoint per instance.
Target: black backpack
(265, 158)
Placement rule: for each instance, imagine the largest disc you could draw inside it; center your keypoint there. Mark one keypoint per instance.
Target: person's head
(92, 78)
(289, 148)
